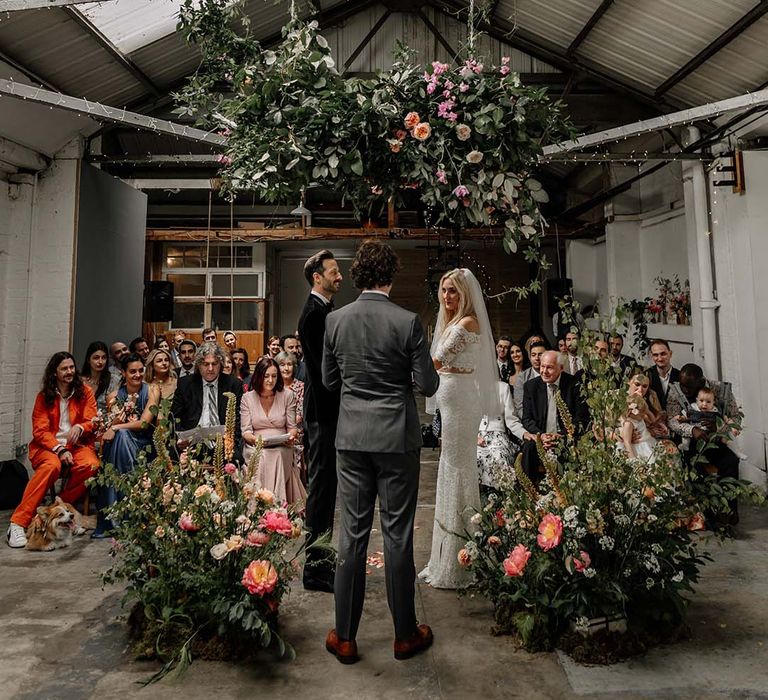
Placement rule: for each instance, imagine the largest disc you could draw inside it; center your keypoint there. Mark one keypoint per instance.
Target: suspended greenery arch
(465, 135)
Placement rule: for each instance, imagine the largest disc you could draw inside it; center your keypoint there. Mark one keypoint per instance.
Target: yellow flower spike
(229, 426)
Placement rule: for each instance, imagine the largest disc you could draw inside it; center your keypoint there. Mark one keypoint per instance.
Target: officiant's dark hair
(375, 265)
(315, 264)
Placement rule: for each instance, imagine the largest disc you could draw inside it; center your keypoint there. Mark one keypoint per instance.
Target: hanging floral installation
(465, 135)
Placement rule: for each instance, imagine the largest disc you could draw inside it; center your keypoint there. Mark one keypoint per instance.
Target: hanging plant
(466, 136)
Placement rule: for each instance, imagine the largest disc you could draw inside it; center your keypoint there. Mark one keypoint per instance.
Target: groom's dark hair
(375, 265)
(315, 264)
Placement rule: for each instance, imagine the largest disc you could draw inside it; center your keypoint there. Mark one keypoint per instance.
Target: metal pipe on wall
(707, 301)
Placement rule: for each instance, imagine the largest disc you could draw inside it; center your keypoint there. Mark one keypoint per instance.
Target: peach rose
(265, 495)
(422, 131)
(411, 120)
(550, 532)
(514, 564)
(464, 558)
(494, 541)
(259, 577)
(394, 145)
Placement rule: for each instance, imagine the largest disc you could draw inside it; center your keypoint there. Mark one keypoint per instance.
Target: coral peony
(259, 577)
(550, 532)
(276, 521)
(514, 564)
(464, 558)
(411, 120)
(422, 131)
(187, 523)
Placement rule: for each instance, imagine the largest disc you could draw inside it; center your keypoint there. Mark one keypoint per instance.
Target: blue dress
(121, 453)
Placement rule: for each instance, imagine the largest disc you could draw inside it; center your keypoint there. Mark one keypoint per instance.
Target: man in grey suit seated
(376, 353)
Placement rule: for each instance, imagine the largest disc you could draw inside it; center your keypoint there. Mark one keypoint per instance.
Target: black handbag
(13, 481)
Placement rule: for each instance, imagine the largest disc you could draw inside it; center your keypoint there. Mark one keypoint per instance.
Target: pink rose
(550, 532)
(187, 523)
(230, 468)
(441, 177)
(461, 191)
(276, 521)
(259, 577)
(514, 564)
(504, 70)
(257, 538)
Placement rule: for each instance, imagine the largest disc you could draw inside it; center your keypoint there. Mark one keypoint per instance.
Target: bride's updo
(465, 308)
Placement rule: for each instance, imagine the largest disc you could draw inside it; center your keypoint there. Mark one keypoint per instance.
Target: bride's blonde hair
(464, 307)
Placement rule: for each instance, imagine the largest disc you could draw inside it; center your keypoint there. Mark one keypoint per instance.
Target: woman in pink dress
(269, 411)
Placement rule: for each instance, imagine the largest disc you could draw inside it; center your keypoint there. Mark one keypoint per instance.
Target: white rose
(474, 157)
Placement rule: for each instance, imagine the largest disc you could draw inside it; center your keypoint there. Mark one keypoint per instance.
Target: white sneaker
(16, 536)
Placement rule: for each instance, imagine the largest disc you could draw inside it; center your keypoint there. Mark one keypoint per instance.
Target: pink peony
(550, 532)
(514, 564)
(187, 523)
(259, 577)
(276, 521)
(257, 538)
(230, 468)
(461, 191)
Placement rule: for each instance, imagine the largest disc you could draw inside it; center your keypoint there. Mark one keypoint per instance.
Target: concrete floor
(61, 638)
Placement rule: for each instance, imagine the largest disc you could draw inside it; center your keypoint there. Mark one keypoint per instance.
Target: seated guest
(287, 362)
(290, 343)
(662, 374)
(519, 363)
(187, 351)
(230, 340)
(242, 366)
(540, 414)
(62, 431)
(639, 385)
(117, 351)
(159, 373)
(269, 410)
(496, 451)
(209, 335)
(680, 402)
(537, 349)
(162, 344)
(228, 365)
(140, 347)
(535, 338)
(635, 424)
(95, 374)
(178, 337)
(572, 363)
(562, 345)
(199, 399)
(503, 344)
(273, 346)
(619, 361)
(130, 409)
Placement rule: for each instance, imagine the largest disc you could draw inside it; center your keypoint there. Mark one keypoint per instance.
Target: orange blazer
(45, 420)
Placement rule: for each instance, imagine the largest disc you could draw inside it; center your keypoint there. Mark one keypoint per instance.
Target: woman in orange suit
(62, 433)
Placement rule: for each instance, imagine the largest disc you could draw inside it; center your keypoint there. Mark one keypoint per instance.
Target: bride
(463, 354)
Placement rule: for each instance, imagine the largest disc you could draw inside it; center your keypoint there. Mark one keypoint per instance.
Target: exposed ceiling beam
(21, 156)
(588, 27)
(34, 77)
(705, 54)
(104, 113)
(14, 5)
(634, 157)
(537, 47)
(437, 33)
(115, 54)
(201, 159)
(366, 40)
(686, 116)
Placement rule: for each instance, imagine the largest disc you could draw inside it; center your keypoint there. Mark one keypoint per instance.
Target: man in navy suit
(540, 414)
(321, 412)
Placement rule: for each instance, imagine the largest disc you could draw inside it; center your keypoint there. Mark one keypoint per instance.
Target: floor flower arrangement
(207, 554)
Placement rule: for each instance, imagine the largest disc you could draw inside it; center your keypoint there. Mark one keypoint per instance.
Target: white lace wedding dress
(458, 491)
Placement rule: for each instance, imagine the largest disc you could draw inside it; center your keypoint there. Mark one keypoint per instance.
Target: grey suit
(376, 352)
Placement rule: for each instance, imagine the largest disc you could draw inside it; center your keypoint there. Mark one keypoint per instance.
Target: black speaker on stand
(158, 301)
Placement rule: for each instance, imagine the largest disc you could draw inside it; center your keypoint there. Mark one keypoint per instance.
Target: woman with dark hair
(269, 411)
(62, 430)
(162, 344)
(287, 362)
(519, 359)
(95, 374)
(243, 365)
(130, 410)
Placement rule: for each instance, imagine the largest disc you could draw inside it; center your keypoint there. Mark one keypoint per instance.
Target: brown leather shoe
(345, 651)
(418, 642)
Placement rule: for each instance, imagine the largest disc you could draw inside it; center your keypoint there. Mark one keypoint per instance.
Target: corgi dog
(52, 527)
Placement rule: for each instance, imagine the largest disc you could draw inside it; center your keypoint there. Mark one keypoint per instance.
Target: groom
(375, 352)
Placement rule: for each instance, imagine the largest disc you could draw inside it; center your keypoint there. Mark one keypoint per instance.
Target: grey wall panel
(110, 260)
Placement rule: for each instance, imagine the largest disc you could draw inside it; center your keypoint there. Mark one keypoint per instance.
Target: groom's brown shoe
(344, 650)
(417, 642)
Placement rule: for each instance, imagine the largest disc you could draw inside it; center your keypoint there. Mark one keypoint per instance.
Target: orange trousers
(47, 469)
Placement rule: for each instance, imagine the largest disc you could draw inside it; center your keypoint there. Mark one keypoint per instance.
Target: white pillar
(707, 302)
